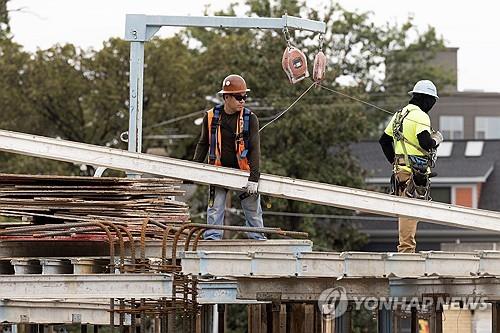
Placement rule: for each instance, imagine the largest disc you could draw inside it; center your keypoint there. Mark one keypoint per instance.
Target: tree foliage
(4, 20)
(82, 95)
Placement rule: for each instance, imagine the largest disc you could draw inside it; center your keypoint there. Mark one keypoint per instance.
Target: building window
(441, 194)
(487, 128)
(452, 127)
(445, 149)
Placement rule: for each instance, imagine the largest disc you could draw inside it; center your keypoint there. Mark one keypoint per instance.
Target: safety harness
(418, 165)
(242, 142)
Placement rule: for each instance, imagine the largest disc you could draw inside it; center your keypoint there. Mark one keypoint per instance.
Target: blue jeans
(251, 208)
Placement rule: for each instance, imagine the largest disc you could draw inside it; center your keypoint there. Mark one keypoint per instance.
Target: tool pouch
(418, 185)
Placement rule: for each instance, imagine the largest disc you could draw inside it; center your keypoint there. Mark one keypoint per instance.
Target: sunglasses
(240, 98)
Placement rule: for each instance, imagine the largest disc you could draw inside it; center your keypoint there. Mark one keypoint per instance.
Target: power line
(289, 107)
(369, 104)
(173, 120)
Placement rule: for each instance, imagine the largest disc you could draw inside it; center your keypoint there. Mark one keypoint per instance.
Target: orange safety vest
(241, 143)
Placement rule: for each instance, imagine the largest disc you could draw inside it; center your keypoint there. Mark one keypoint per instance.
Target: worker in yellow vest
(409, 144)
(230, 135)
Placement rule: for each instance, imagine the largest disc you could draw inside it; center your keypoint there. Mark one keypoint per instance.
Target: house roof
(457, 168)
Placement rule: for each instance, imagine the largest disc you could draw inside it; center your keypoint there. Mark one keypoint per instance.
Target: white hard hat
(425, 87)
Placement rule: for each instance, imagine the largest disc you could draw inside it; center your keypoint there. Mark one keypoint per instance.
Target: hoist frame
(141, 28)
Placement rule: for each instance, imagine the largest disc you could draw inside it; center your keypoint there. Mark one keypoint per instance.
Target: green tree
(170, 82)
(4, 20)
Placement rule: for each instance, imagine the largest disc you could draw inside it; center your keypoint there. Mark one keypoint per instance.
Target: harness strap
(213, 134)
(399, 136)
(246, 132)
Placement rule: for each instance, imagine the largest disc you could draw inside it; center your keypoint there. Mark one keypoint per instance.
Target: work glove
(437, 137)
(251, 187)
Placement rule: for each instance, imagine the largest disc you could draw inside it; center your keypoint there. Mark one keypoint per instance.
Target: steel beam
(140, 27)
(88, 286)
(283, 187)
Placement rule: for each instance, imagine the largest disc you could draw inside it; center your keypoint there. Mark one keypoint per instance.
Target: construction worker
(230, 135)
(409, 143)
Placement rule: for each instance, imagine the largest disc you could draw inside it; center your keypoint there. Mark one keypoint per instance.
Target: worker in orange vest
(230, 136)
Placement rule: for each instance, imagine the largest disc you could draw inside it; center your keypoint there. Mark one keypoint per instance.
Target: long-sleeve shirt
(228, 123)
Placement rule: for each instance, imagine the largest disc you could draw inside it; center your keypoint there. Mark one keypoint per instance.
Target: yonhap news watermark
(335, 302)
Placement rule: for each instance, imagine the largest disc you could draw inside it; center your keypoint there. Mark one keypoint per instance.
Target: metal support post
(164, 323)
(157, 325)
(296, 318)
(436, 320)
(414, 320)
(309, 317)
(273, 317)
(221, 309)
(136, 96)
(317, 319)
(111, 315)
(206, 318)
(283, 327)
(255, 318)
(385, 320)
(142, 317)
(439, 320)
(396, 319)
(22, 328)
(495, 317)
(171, 318)
(343, 321)
(327, 323)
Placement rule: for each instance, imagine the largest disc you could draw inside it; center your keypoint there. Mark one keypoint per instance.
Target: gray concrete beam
(90, 286)
(486, 287)
(66, 249)
(307, 289)
(64, 312)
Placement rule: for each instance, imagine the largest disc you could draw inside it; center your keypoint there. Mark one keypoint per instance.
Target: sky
(470, 26)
